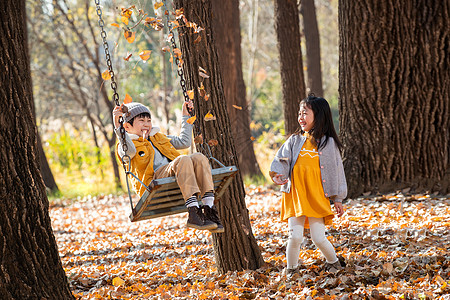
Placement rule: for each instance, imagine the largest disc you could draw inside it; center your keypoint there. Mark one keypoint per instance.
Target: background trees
(30, 264)
(394, 92)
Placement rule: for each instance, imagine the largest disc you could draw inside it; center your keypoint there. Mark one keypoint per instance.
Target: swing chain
(101, 23)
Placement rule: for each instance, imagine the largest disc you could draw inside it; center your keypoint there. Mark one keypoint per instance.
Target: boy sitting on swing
(153, 155)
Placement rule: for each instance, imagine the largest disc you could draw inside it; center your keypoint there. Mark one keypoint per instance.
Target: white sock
(192, 201)
(208, 199)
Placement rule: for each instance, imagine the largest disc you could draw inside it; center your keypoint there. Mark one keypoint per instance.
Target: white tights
(317, 227)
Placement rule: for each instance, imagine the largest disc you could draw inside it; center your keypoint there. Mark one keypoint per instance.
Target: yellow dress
(306, 197)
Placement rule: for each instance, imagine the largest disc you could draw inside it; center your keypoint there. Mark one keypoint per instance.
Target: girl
(309, 168)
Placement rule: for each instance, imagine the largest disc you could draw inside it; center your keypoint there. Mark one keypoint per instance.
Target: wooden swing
(162, 197)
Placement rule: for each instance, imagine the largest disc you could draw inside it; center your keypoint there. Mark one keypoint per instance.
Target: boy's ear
(127, 126)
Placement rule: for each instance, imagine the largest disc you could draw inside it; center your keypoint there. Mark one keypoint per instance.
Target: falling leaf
(179, 12)
(165, 49)
(127, 99)
(106, 75)
(213, 143)
(191, 120)
(252, 138)
(206, 97)
(198, 139)
(117, 281)
(209, 117)
(237, 107)
(124, 20)
(145, 55)
(204, 75)
(115, 25)
(201, 90)
(158, 5)
(126, 12)
(198, 39)
(190, 94)
(130, 36)
(127, 57)
(177, 52)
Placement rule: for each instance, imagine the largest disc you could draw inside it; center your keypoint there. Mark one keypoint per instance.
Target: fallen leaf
(117, 281)
(115, 25)
(124, 20)
(237, 107)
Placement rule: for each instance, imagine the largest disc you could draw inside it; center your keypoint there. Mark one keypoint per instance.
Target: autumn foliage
(396, 247)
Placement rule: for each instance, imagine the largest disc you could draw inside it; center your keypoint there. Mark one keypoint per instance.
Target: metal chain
(180, 69)
(101, 23)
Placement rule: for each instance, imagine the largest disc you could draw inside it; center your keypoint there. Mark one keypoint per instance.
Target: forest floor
(396, 246)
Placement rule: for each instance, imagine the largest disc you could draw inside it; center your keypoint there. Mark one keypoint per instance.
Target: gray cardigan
(332, 170)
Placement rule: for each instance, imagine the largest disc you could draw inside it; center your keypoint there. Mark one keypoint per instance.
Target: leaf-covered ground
(396, 247)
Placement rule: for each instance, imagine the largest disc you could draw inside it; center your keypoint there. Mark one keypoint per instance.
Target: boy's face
(305, 118)
(141, 126)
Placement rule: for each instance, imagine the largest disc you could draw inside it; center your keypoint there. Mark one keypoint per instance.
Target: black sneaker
(212, 215)
(197, 219)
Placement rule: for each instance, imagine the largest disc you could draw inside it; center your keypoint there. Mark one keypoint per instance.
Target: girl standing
(309, 168)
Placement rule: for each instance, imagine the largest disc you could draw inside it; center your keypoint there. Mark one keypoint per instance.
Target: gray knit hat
(135, 109)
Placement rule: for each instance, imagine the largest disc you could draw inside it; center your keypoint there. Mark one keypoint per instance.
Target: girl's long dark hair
(323, 121)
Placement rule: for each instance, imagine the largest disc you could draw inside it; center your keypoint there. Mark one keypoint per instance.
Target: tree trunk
(291, 65)
(312, 41)
(47, 175)
(30, 267)
(394, 94)
(236, 249)
(227, 35)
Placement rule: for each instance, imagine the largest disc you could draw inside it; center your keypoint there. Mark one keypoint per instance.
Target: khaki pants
(192, 172)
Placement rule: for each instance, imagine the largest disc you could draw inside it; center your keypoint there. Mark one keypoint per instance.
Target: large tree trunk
(236, 249)
(227, 34)
(30, 267)
(291, 64)
(394, 92)
(47, 175)
(312, 41)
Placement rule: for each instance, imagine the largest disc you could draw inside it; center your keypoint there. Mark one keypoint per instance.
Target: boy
(154, 155)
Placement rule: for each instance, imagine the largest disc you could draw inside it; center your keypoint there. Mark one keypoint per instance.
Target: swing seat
(163, 196)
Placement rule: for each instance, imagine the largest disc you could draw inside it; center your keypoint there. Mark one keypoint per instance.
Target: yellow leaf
(126, 12)
(117, 281)
(126, 58)
(158, 5)
(190, 93)
(191, 120)
(130, 36)
(124, 20)
(252, 138)
(127, 99)
(209, 117)
(237, 107)
(177, 52)
(115, 25)
(165, 49)
(206, 97)
(106, 75)
(145, 55)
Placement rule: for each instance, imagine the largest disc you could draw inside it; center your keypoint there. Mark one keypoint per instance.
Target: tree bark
(291, 64)
(394, 94)
(226, 27)
(30, 267)
(47, 175)
(312, 41)
(236, 248)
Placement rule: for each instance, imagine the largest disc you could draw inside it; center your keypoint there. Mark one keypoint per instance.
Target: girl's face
(305, 117)
(141, 126)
